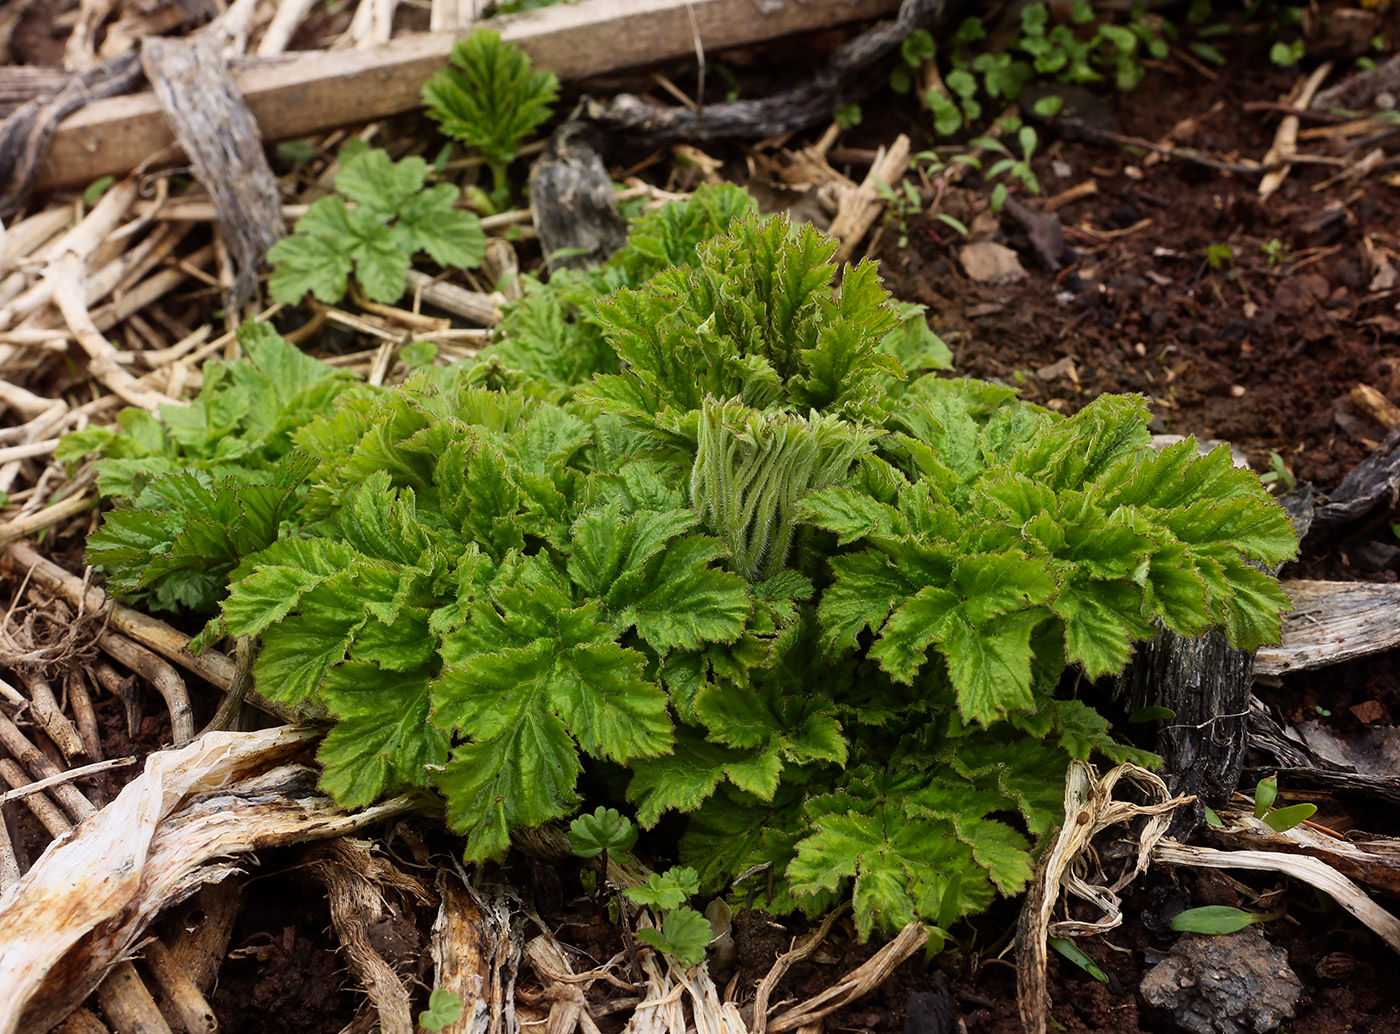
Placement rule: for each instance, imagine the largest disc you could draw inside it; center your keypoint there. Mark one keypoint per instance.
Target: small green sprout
(1218, 919)
(1076, 954)
(1278, 819)
(1220, 256)
(1276, 253)
(684, 934)
(1278, 473)
(491, 99)
(444, 1008)
(667, 890)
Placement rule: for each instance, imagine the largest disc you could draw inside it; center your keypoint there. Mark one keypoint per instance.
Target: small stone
(1233, 984)
(988, 262)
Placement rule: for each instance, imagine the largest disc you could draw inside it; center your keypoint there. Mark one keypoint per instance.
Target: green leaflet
(382, 739)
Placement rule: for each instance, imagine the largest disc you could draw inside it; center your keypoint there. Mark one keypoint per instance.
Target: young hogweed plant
(806, 594)
(491, 99)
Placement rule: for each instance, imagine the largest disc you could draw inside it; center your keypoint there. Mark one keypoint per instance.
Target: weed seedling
(1276, 252)
(491, 99)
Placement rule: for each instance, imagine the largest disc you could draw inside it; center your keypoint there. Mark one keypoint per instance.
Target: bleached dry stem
(1310, 870)
(79, 242)
(70, 293)
(87, 901)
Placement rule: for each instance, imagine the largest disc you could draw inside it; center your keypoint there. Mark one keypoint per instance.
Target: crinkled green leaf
(679, 600)
(383, 739)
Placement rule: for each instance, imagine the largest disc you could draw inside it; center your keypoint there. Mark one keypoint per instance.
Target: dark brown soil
(1263, 354)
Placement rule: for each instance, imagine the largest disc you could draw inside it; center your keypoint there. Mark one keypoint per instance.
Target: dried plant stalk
(85, 904)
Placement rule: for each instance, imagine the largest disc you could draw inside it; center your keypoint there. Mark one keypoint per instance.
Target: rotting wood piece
(861, 206)
(1332, 622)
(357, 883)
(465, 940)
(1372, 483)
(574, 202)
(28, 132)
(219, 134)
(315, 91)
(845, 78)
(1206, 682)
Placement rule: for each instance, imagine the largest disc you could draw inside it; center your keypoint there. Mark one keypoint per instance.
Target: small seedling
(1278, 819)
(603, 832)
(1218, 919)
(295, 151)
(684, 934)
(1220, 256)
(667, 890)
(915, 50)
(418, 354)
(381, 216)
(491, 99)
(1076, 954)
(1276, 253)
(97, 188)
(1278, 473)
(1286, 55)
(848, 117)
(444, 1008)
(1011, 167)
(1265, 793)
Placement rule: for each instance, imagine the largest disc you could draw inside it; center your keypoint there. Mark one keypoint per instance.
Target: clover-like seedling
(444, 1008)
(668, 890)
(684, 935)
(605, 831)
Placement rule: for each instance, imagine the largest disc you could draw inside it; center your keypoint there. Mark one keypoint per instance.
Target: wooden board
(298, 94)
(1333, 622)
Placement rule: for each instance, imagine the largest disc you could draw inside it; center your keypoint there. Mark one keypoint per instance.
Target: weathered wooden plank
(295, 95)
(1333, 622)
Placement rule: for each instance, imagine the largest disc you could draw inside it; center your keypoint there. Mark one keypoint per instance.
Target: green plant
(1220, 256)
(1276, 252)
(491, 99)
(444, 1008)
(806, 595)
(914, 51)
(684, 933)
(1278, 819)
(1278, 473)
(1011, 167)
(1074, 953)
(848, 117)
(604, 832)
(1218, 919)
(203, 485)
(1286, 55)
(390, 217)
